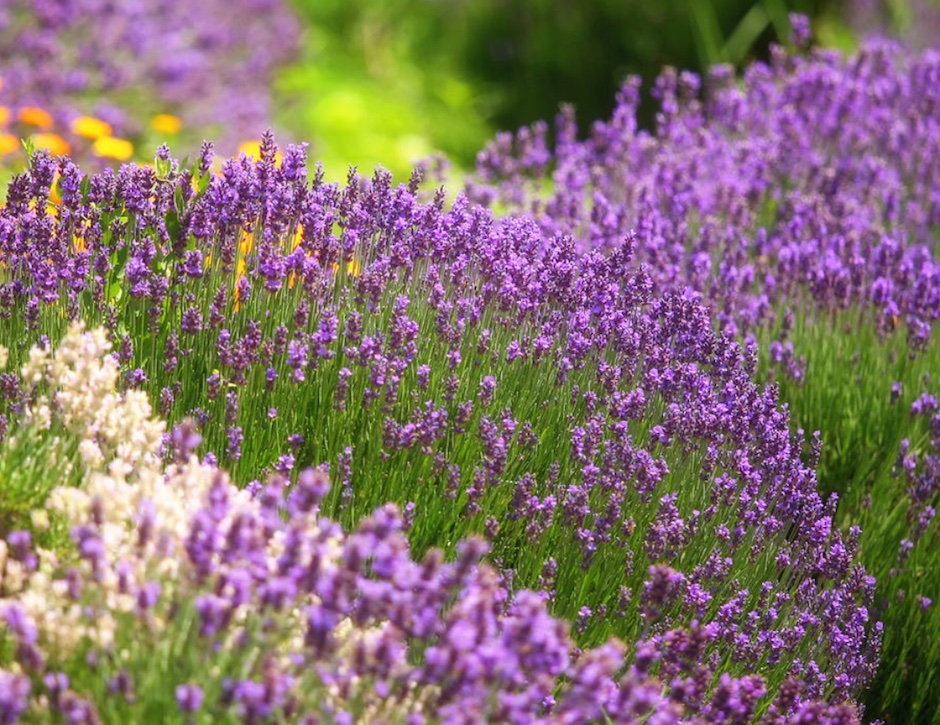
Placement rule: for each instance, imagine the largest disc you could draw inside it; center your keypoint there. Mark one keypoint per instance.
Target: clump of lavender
(800, 204)
(209, 63)
(184, 596)
(813, 181)
(484, 376)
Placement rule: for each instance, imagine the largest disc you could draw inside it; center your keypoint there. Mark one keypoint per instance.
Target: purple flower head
(148, 595)
(661, 590)
(15, 690)
(487, 386)
(189, 698)
(21, 548)
(312, 485)
(800, 32)
(184, 439)
(924, 405)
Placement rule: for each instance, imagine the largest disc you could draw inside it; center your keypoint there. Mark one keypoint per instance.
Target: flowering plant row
(183, 596)
(482, 375)
(566, 389)
(801, 205)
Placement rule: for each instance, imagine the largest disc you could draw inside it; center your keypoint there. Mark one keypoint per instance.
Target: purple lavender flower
(189, 698)
(14, 696)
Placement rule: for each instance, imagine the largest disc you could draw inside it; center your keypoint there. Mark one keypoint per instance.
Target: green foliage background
(391, 81)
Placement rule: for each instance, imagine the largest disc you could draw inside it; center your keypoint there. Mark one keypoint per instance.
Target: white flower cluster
(126, 486)
(114, 429)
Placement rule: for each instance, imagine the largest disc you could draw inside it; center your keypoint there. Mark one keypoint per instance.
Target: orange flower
(166, 123)
(5, 116)
(53, 142)
(113, 148)
(90, 127)
(8, 144)
(38, 117)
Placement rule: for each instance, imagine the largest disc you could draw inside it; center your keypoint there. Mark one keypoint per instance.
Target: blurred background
(370, 82)
(384, 80)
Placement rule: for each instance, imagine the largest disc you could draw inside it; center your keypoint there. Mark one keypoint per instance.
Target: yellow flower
(38, 117)
(166, 123)
(54, 196)
(53, 142)
(353, 268)
(78, 243)
(90, 127)
(295, 242)
(109, 147)
(252, 149)
(8, 144)
(246, 242)
(237, 294)
(5, 115)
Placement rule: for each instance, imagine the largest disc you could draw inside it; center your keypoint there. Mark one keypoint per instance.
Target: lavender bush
(801, 204)
(479, 373)
(810, 185)
(186, 599)
(209, 63)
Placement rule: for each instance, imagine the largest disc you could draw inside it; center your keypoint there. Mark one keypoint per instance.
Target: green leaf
(114, 291)
(29, 146)
(707, 33)
(163, 168)
(745, 35)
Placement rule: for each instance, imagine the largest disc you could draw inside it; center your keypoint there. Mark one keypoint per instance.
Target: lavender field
(623, 425)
